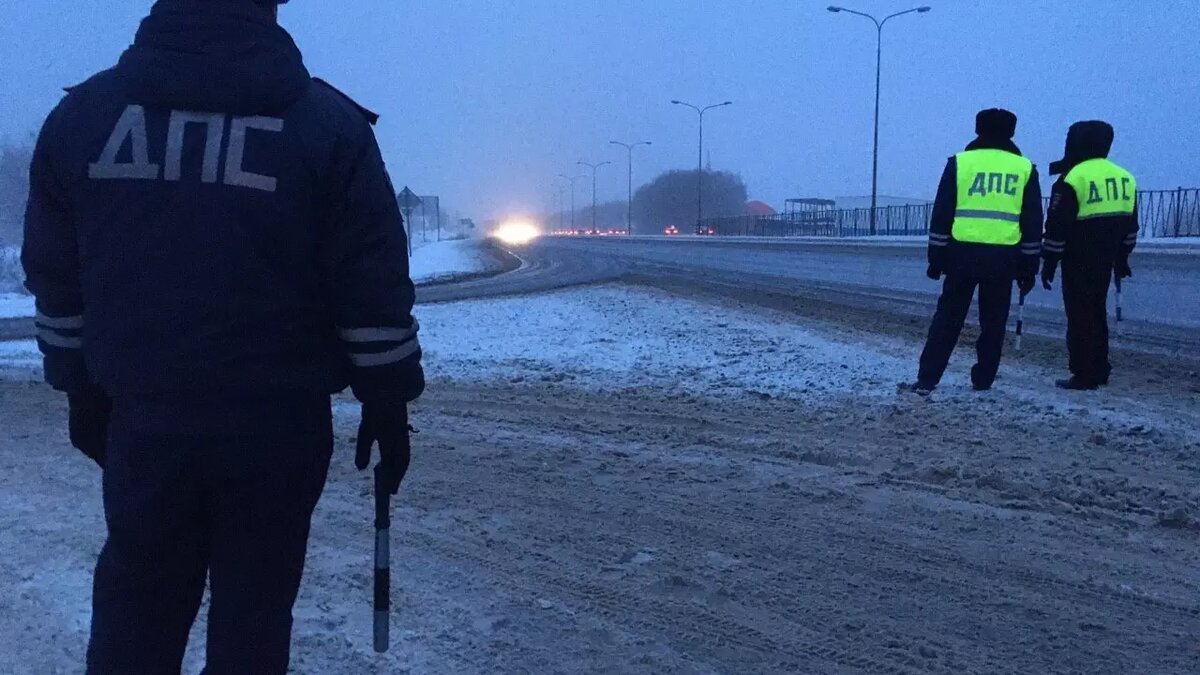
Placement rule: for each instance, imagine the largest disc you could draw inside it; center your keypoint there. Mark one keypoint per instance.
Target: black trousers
(232, 508)
(995, 300)
(1085, 298)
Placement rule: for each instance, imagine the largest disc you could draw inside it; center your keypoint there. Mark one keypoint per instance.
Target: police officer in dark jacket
(215, 249)
(985, 231)
(1091, 229)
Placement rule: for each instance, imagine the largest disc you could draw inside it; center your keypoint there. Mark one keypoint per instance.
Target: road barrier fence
(1162, 214)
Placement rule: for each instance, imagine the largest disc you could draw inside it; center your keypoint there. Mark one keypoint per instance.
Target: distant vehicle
(706, 230)
(670, 230)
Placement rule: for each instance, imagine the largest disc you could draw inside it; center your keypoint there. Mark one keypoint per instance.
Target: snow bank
(614, 338)
(12, 278)
(14, 305)
(436, 261)
(20, 361)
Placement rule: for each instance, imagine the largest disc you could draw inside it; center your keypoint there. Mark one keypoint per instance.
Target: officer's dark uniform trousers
(995, 299)
(189, 504)
(1085, 298)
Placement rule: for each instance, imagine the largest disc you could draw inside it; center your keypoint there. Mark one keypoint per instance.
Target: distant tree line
(669, 199)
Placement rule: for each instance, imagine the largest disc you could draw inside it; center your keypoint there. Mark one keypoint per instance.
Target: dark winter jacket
(1099, 243)
(985, 261)
(205, 217)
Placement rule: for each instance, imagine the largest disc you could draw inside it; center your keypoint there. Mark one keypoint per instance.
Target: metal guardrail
(1162, 213)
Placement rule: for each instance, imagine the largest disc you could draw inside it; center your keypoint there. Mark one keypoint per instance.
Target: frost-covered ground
(615, 338)
(15, 305)
(624, 480)
(11, 276)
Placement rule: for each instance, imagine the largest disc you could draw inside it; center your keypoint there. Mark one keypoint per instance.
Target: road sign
(408, 200)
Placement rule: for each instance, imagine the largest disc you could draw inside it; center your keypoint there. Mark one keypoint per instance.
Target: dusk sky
(485, 101)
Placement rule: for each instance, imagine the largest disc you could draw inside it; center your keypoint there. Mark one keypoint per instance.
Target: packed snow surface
(617, 480)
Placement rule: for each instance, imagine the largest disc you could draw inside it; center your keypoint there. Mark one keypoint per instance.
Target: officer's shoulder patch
(370, 116)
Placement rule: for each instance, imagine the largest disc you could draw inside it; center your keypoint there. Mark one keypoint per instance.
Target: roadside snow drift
(443, 260)
(613, 338)
(15, 305)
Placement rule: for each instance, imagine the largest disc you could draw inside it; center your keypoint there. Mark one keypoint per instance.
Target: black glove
(387, 425)
(1123, 270)
(1025, 284)
(1049, 268)
(934, 273)
(401, 386)
(88, 419)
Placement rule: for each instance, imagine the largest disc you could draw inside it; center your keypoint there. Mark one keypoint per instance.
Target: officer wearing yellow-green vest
(985, 231)
(1091, 229)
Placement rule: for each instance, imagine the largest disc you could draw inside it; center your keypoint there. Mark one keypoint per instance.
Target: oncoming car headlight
(517, 232)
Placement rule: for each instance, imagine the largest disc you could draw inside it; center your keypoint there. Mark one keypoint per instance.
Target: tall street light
(572, 180)
(560, 191)
(700, 162)
(629, 204)
(594, 168)
(878, 62)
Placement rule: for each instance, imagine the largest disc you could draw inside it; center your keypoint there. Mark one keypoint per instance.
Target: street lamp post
(560, 193)
(594, 168)
(629, 204)
(572, 179)
(878, 63)
(700, 161)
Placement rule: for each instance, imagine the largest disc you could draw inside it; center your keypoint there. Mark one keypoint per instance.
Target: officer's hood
(1092, 139)
(214, 56)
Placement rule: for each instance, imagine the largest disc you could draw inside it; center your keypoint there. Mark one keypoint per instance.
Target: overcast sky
(485, 101)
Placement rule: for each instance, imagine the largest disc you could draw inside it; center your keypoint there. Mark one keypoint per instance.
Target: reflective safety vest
(1103, 188)
(991, 191)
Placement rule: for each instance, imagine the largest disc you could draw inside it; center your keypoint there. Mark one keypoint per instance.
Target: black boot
(1076, 384)
(978, 381)
(916, 388)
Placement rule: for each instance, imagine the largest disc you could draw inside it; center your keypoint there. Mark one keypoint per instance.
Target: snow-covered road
(432, 263)
(626, 480)
(1162, 290)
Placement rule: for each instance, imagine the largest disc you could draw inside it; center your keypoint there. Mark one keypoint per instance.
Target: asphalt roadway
(1161, 308)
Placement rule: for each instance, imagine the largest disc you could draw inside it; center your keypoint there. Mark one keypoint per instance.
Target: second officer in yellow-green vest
(985, 232)
(1091, 229)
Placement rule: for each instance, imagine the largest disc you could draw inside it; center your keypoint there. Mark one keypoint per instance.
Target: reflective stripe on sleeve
(389, 357)
(57, 340)
(379, 334)
(59, 322)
